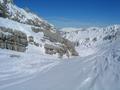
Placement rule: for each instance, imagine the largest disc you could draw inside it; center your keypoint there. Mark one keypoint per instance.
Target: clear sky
(75, 13)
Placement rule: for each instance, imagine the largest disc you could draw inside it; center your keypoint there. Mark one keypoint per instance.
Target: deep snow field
(97, 68)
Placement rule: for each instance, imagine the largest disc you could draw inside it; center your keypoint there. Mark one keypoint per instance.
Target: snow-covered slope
(93, 35)
(97, 71)
(24, 28)
(38, 31)
(96, 68)
(23, 16)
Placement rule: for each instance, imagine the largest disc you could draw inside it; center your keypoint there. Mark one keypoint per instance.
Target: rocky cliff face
(13, 40)
(26, 28)
(59, 44)
(62, 46)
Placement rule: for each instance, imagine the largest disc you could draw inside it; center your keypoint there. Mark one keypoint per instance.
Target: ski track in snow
(42, 72)
(34, 71)
(18, 70)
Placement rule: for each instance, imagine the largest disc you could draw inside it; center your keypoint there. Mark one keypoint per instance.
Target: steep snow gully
(98, 71)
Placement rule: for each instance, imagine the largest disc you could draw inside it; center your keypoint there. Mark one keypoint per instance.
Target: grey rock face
(54, 49)
(13, 39)
(56, 37)
(36, 44)
(50, 49)
(31, 41)
(36, 30)
(3, 10)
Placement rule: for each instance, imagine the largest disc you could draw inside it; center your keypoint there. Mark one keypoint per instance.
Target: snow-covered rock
(33, 26)
(92, 36)
(22, 16)
(13, 40)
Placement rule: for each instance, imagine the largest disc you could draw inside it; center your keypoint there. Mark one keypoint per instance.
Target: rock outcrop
(3, 10)
(56, 37)
(45, 32)
(32, 41)
(13, 39)
(56, 49)
(62, 48)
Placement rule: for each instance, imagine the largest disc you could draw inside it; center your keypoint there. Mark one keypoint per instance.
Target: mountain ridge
(38, 31)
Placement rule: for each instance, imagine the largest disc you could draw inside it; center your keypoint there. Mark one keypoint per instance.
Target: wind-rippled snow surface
(96, 71)
(18, 68)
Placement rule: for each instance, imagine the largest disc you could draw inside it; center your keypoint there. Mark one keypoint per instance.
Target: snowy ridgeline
(13, 12)
(92, 36)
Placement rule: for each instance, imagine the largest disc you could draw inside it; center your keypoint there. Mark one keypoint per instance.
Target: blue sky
(75, 13)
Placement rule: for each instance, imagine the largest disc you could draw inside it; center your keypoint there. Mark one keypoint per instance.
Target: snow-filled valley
(96, 68)
(31, 71)
(65, 59)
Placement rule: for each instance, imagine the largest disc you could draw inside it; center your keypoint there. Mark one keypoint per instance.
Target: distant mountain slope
(93, 35)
